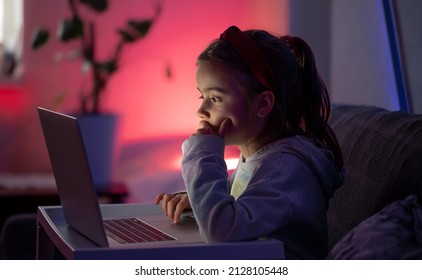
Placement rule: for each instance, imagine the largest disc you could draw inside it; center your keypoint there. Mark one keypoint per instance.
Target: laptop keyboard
(132, 230)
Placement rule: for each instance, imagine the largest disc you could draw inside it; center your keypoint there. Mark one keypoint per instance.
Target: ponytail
(314, 98)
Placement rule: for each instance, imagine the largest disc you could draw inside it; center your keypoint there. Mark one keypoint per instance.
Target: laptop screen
(72, 174)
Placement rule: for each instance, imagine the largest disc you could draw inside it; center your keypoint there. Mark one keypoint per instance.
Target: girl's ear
(264, 103)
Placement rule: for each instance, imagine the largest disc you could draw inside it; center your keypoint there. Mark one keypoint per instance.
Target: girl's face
(222, 99)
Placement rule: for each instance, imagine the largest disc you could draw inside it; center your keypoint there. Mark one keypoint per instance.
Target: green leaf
(97, 5)
(60, 98)
(40, 37)
(70, 29)
(141, 27)
(135, 30)
(169, 71)
(126, 36)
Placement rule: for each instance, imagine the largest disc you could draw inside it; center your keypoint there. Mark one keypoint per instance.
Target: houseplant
(98, 129)
(78, 28)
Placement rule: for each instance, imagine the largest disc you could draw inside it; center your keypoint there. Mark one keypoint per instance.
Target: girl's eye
(215, 99)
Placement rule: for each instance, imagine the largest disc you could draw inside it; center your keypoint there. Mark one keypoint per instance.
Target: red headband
(251, 54)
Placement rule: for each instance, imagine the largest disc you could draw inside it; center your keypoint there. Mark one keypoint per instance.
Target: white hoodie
(287, 185)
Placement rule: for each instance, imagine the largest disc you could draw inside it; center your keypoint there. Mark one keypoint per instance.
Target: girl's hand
(206, 128)
(173, 205)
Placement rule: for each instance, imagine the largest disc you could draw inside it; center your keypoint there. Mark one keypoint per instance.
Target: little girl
(263, 94)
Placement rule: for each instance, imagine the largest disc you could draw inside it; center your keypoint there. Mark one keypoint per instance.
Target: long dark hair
(302, 104)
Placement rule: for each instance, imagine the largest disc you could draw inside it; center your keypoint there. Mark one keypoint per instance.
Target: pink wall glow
(153, 104)
(12, 101)
(150, 104)
(13, 105)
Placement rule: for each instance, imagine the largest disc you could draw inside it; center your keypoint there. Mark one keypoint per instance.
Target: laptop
(79, 200)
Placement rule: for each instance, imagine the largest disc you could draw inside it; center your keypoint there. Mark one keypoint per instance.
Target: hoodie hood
(318, 159)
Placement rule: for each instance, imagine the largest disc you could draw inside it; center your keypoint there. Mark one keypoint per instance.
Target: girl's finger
(166, 198)
(158, 198)
(180, 208)
(224, 127)
(171, 206)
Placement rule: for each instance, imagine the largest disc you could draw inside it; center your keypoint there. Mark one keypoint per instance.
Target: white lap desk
(53, 232)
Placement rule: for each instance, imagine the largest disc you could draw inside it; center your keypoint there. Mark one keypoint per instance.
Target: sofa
(376, 214)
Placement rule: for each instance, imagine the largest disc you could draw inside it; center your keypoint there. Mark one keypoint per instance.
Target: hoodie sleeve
(262, 209)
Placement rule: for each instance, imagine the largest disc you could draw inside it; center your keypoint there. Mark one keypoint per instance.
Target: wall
(348, 37)
(150, 103)
(361, 64)
(351, 47)
(311, 20)
(409, 24)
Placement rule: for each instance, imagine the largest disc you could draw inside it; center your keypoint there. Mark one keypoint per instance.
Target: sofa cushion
(383, 157)
(393, 233)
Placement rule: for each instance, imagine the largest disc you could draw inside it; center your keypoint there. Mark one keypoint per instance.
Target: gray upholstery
(383, 158)
(394, 233)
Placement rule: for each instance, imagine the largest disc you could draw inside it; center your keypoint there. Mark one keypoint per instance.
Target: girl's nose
(202, 113)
